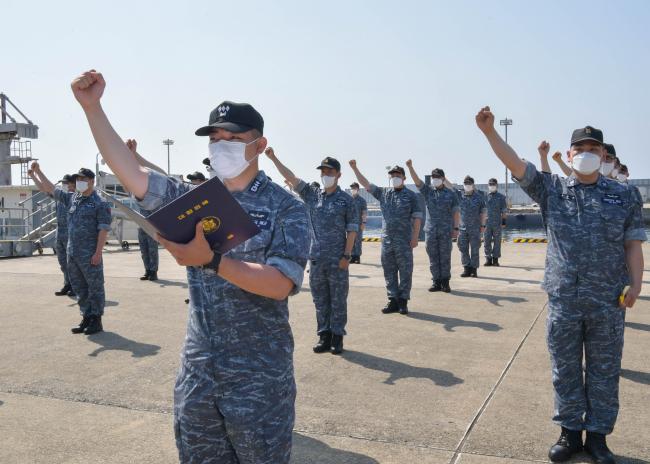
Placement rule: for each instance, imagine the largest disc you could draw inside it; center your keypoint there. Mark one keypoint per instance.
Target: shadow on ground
(308, 450)
(399, 370)
(450, 323)
(110, 341)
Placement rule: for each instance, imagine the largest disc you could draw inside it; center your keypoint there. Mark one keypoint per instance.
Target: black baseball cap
(437, 172)
(587, 133)
(330, 162)
(468, 180)
(233, 117)
(354, 185)
(83, 172)
(396, 168)
(610, 149)
(492, 181)
(206, 161)
(196, 175)
(68, 178)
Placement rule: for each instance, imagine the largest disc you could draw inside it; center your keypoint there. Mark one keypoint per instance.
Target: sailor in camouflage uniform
(334, 225)
(362, 208)
(148, 252)
(235, 392)
(497, 209)
(402, 218)
(595, 231)
(472, 223)
(442, 225)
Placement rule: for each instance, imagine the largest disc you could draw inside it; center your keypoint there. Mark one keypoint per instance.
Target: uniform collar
(573, 181)
(258, 183)
(337, 190)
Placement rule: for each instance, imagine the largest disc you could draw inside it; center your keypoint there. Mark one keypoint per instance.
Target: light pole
(506, 122)
(168, 142)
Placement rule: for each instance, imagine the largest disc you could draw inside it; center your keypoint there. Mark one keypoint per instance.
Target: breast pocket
(562, 209)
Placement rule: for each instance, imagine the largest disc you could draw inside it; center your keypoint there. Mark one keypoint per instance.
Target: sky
(377, 81)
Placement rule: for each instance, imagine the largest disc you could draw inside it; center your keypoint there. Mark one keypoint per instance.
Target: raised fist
(557, 156)
(132, 145)
(35, 166)
(544, 148)
(485, 120)
(409, 163)
(88, 88)
(270, 153)
(353, 163)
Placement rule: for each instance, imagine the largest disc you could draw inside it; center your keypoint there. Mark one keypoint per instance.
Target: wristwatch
(214, 264)
(347, 256)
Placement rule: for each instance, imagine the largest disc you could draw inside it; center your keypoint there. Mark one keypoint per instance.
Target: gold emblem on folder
(210, 224)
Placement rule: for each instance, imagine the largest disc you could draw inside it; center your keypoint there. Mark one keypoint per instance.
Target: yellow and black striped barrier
(530, 240)
(371, 239)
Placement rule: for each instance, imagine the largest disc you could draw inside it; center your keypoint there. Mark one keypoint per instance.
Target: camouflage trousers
(358, 244)
(492, 241)
(329, 289)
(397, 261)
(469, 244)
(586, 400)
(241, 421)
(61, 247)
(439, 246)
(148, 251)
(88, 283)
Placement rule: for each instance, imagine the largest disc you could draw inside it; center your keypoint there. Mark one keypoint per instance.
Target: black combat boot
(488, 262)
(94, 326)
(85, 322)
(355, 259)
(337, 344)
(153, 276)
(391, 306)
(473, 272)
(72, 293)
(324, 343)
(495, 262)
(445, 286)
(64, 291)
(145, 276)
(569, 443)
(436, 287)
(596, 447)
(467, 272)
(403, 305)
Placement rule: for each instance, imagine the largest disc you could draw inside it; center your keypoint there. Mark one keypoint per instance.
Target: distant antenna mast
(12, 149)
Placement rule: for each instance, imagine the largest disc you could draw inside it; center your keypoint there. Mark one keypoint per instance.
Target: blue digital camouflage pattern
(469, 237)
(496, 208)
(332, 217)
(587, 227)
(362, 207)
(88, 215)
(399, 208)
(442, 204)
(62, 198)
(235, 392)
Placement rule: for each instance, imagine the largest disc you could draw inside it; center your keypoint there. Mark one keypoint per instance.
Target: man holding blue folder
(235, 393)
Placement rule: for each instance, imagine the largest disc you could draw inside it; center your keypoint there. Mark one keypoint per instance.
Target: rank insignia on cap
(223, 110)
(587, 130)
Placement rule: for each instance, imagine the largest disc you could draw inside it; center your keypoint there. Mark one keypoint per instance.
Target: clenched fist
(409, 163)
(270, 153)
(132, 144)
(353, 163)
(544, 148)
(35, 166)
(88, 88)
(557, 156)
(485, 120)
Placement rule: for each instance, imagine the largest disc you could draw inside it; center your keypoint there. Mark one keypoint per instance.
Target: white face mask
(328, 181)
(81, 186)
(586, 163)
(396, 182)
(492, 188)
(228, 158)
(621, 177)
(606, 169)
(468, 188)
(355, 191)
(436, 182)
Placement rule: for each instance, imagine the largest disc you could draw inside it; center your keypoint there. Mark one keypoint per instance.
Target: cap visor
(229, 126)
(583, 139)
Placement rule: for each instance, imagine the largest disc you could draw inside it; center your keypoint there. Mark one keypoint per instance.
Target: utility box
(6, 248)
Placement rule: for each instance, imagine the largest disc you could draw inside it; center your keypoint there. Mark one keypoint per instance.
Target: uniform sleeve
(352, 216)
(61, 196)
(416, 207)
(104, 216)
(455, 205)
(377, 192)
(634, 228)
(161, 190)
(289, 247)
(306, 192)
(534, 183)
(424, 188)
